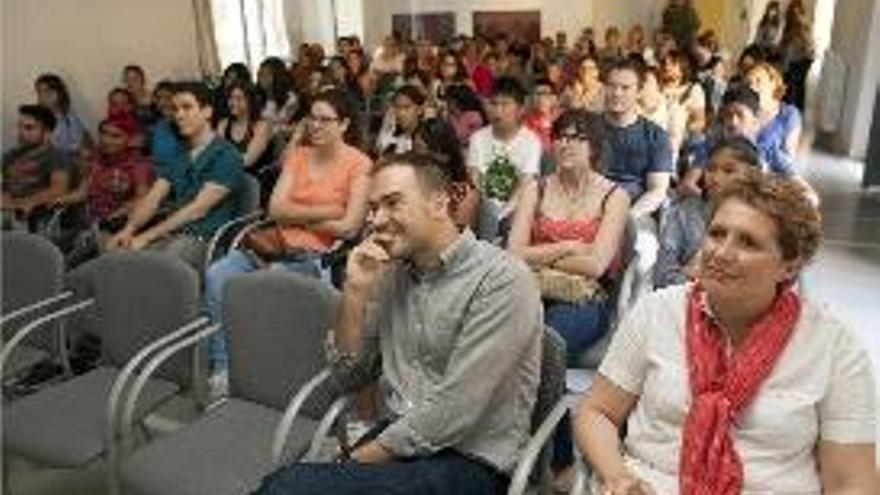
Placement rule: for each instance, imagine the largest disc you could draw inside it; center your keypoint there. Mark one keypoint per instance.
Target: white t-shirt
(822, 388)
(524, 150)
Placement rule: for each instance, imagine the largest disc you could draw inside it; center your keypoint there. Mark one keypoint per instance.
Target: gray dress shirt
(457, 352)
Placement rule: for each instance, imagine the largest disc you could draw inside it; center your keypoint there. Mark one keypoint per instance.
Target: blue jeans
(446, 472)
(236, 263)
(580, 325)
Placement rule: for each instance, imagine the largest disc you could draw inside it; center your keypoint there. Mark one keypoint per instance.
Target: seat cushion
(23, 357)
(63, 425)
(226, 451)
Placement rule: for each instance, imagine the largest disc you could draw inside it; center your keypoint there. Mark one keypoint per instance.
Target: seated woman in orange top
(320, 197)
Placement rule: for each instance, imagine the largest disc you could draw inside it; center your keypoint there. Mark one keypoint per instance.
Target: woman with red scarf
(736, 383)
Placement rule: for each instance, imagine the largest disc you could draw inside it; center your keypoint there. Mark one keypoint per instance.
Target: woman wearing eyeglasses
(320, 198)
(573, 222)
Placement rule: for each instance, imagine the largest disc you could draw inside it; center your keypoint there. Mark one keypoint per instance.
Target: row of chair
(145, 308)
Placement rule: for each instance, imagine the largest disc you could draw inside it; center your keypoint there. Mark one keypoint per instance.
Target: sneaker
(218, 386)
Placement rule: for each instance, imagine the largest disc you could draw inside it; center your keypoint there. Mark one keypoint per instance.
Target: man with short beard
(35, 173)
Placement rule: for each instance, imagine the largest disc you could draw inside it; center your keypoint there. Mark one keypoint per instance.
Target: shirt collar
(452, 256)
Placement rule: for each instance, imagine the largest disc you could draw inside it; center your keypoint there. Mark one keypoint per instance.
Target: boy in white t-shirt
(504, 155)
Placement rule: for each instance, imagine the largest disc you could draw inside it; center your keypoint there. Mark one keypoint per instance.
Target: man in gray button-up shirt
(452, 328)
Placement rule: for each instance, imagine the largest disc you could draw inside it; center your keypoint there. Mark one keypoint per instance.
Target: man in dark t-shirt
(35, 174)
(203, 186)
(637, 155)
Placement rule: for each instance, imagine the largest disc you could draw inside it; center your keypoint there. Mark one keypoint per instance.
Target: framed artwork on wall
(438, 27)
(522, 25)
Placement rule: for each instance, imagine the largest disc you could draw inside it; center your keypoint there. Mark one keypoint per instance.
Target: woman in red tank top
(573, 221)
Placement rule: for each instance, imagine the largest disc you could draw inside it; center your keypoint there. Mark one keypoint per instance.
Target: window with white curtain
(249, 31)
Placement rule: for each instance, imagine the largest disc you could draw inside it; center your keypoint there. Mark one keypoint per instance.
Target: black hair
(238, 71)
(440, 139)
(282, 81)
(56, 84)
(508, 86)
(465, 99)
(587, 126)
(744, 95)
(198, 89)
(41, 114)
(345, 109)
(741, 148)
(136, 69)
(412, 92)
(125, 92)
(250, 95)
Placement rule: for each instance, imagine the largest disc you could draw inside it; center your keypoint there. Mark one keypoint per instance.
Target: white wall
(88, 42)
(856, 30)
(566, 15)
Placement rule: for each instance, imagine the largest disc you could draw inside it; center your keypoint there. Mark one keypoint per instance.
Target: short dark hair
(346, 109)
(744, 95)
(588, 126)
(412, 92)
(198, 89)
(136, 69)
(41, 114)
(741, 148)
(508, 86)
(430, 172)
(621, 64)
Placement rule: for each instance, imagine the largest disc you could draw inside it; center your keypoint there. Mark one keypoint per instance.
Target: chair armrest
(628, 293)
(279, 439)
(30, 308)
(40, 322)
(146, 373)
(223, 230)
(520, 479)
(264, 222)
(330, 417)
(581, 473)
(119, 386)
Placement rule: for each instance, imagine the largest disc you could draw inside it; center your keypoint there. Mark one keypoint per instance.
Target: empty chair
(135, 301)
(277, 323)
(33, 274)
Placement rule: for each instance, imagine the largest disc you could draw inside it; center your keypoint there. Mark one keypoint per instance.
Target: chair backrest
(277, 323)
(622, 294)
(551, 388)
(140, 296)
(33, 269)
(249, 198)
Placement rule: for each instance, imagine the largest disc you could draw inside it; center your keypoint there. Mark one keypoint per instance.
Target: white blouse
(822, 388)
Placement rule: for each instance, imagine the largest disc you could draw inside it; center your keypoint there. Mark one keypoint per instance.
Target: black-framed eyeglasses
(321, 119)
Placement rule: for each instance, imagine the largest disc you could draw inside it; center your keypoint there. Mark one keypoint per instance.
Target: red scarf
(721, 387)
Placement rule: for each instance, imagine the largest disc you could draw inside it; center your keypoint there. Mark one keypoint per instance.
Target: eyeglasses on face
(321, 119)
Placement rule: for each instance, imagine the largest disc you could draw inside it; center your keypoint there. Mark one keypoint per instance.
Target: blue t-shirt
(219, 163)
(771, 140)
(165, 145)
(632, 152)
(773, 159)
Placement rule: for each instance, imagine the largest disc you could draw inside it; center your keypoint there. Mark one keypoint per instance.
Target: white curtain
(249, 30)
(206, 46)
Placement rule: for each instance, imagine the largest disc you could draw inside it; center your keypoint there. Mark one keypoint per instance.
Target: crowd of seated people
(485, 188)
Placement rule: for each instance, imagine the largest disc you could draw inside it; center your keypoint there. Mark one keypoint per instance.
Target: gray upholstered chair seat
(227, 451)
(32, 426)
(23, 358)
